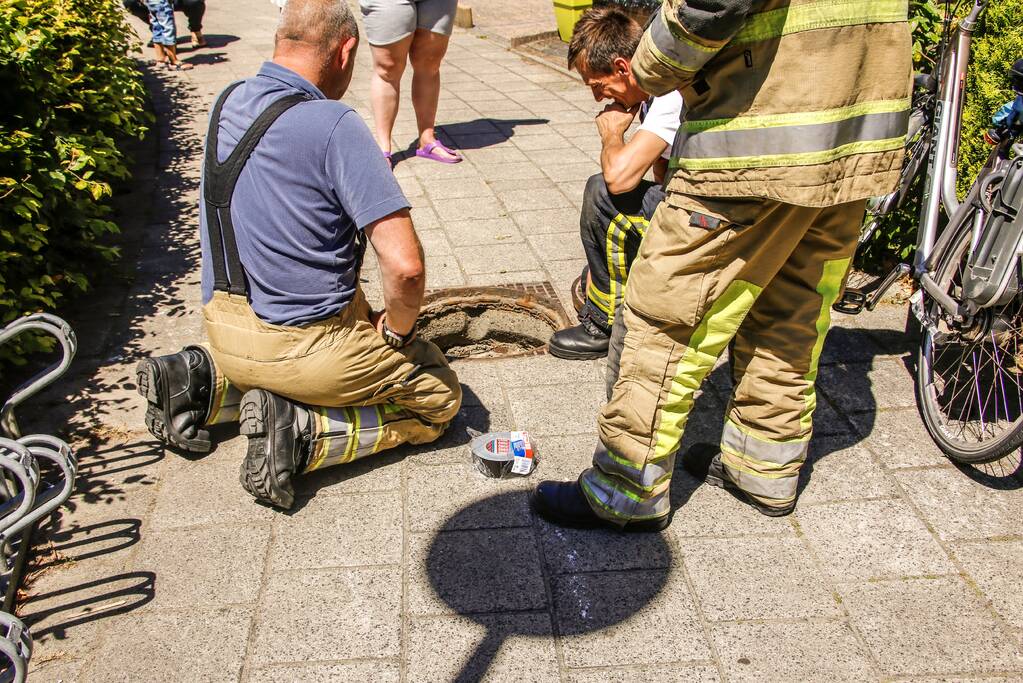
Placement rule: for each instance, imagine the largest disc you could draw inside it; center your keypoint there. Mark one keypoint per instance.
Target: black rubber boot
(278, 446)
(703, 461)
(585, 341)
(177, 390)
(564, 504)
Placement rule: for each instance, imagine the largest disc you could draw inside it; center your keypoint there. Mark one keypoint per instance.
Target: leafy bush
(997, 43)
(70, 92)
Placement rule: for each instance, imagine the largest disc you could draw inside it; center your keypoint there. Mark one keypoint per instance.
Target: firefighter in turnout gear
(797, 112)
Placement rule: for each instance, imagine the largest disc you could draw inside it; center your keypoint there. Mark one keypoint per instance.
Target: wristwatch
(395, 340)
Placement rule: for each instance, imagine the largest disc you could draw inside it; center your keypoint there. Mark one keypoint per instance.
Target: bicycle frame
(940, 183)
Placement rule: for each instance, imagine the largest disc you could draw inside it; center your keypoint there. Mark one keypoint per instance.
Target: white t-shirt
(661, 116)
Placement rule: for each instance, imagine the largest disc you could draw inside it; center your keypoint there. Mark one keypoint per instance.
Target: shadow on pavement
(53, 614)
(485, 573)
(469, 135)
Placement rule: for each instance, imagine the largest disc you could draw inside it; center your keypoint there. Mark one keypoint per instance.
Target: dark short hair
(602, 35)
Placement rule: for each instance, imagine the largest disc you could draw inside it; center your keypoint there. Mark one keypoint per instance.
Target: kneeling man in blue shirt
(293, 189)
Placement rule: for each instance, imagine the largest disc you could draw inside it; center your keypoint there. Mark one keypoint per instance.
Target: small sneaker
(278, 447)
(177, 391)
(703, 461)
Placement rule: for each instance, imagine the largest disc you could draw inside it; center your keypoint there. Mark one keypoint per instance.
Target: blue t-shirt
(313, 181)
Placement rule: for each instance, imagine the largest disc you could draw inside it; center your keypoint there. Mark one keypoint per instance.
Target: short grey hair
(325, 23)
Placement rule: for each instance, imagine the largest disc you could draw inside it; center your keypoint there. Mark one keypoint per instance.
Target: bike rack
(27, 494)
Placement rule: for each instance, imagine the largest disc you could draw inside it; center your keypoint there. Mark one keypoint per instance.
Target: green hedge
(997, 44)
(70, 92)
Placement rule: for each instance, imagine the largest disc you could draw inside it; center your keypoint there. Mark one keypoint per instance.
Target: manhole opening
(490, 322)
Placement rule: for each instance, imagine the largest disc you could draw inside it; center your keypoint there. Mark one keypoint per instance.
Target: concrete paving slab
(958, 507)
(995, 568)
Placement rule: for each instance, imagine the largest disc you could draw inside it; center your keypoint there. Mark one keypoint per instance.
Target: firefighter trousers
(362, 395)
(759, 271)
(612, 227)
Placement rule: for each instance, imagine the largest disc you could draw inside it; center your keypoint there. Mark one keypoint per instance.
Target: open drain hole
(490, 322)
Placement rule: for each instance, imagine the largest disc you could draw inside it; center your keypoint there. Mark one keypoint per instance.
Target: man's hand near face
(624, 165)
(614, 120)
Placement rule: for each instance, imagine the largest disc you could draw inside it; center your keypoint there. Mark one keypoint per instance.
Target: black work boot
(278, 433)
(564, 504)
(177, 390)
(703, 461)
(585, 341)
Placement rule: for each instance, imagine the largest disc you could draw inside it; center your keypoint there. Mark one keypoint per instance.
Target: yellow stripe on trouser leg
(621, 490)
(768, 468)
(599, 299)
(342, 435)
(224, 402)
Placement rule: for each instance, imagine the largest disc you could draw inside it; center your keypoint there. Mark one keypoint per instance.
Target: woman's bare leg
(385, 87)
(426, 54)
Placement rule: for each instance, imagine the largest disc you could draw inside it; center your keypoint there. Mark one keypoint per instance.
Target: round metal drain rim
(489, 322)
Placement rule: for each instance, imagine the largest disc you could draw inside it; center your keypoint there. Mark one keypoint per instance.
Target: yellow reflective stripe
(380, 429)
(829, 286)
(666, 60)
(796, 159)
(353, 435)
(817, 15)
(599, 299)
(705, 345)
(219, 394)
(322, 446)
(799, 118)
(592, 496)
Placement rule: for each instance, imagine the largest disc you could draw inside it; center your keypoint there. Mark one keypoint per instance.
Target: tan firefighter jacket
(801, 101)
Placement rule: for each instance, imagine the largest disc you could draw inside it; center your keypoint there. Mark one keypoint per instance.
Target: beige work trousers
(759, 271)
(365, 396)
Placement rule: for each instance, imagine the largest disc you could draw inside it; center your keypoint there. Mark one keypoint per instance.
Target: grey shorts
(388, 21)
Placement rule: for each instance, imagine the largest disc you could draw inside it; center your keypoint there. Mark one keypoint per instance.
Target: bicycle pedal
(853, 301)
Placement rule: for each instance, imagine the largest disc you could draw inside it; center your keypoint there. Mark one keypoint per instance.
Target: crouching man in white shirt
(618, 202)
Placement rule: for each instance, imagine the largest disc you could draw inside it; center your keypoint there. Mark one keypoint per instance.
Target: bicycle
(969, 286)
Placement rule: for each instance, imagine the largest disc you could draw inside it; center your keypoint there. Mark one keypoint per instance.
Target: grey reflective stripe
(782, 490)
(677, 52)
(369, 431)
(646, 477)
(735, 440)
(715, 144)
(612, 502)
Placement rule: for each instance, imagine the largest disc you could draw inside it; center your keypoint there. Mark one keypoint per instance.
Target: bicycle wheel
(969, 379)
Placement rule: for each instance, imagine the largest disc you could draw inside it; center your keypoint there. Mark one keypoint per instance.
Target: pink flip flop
(390, 161)
(429, 153)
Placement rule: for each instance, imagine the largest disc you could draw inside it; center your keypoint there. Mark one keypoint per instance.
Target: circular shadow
(550, 580)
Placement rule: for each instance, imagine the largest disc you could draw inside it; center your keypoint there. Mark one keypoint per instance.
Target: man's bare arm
(402, 271)
(624, 164)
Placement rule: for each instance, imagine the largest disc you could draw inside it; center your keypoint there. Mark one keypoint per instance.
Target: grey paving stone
(212, 492)
(381, 472)
(539, 371)
(505, 278)
(861, 386)
(339, 531)
(672, 673)
(877, 539)
(435, 242)
(455, 571)
(486, 258)
(481, 382)
(571, 551)
(496, 155)
(513, 647)
(199, 645)
(528, 200)
(958, 507)
(468, 208)
(546, 221)
(558, 246)
(709, 511)
(564, 409)
(898, 438)
(456, 188)
(929, 626)
(301, 672)
(837, 470)
(443, 271)
(815, 651)
(552, 157)
(607, 619)
(425, 218)
(229, 571)
(341, 613)
(515, 170)
(502, 187)
(756, 578)
(561, 173)
(60, 670)
(996, 569)
(452, 497)
(562, 458)
(547, 141)
(483, 231)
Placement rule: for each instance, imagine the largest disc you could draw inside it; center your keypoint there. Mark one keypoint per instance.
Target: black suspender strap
(219, 182)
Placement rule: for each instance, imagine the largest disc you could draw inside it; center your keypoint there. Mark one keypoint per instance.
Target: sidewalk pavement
(410, 566)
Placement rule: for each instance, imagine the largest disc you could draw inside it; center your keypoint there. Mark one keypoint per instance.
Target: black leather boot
(177, 390)
(564, 504)
(585, 341)
(278, 446)
(703, 461)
